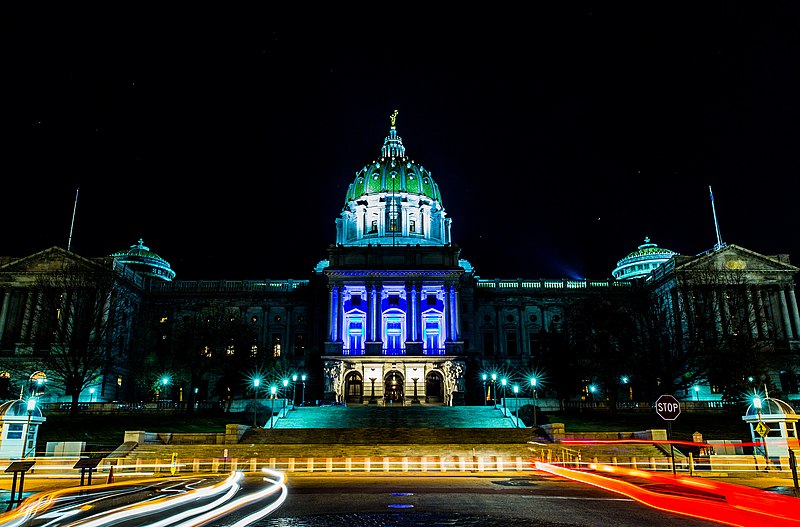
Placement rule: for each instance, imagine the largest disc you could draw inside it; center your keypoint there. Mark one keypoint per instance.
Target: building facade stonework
(395, 315)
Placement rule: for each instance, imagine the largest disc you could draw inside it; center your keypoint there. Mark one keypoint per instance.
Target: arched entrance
(354, 388)
(393, 388)
(434, 387)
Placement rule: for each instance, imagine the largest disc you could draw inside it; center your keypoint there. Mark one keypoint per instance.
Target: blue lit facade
(393, 281)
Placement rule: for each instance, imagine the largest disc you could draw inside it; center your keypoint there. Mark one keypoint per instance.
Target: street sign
(762, 429)
(668, 407)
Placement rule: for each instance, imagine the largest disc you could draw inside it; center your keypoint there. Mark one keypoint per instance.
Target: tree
(82, 326)
(603, 337)
(210, 345)
(709, 329)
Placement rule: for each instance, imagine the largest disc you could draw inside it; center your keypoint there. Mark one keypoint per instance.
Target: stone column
(4, 312)
(409, 313)
(752, 314)
(378, 320)
(28, 317)
(339, 314)
(448, 308)
(414, 309)
(457, 314)
(721, 312)
(787, 324)
(795, 313)
(769, 314)
(331, 313)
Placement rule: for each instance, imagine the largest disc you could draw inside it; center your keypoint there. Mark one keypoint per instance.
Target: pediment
(736, 258)
(48, 260)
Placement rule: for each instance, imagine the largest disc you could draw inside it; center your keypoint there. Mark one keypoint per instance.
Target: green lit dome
(144, 261)
(393, 172)
(640, 262)
(393, 201)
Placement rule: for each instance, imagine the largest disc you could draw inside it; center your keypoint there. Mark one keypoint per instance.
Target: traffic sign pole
(671, 448)
(669, 408)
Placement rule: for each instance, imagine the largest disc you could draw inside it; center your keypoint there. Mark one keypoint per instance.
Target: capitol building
(394, 315)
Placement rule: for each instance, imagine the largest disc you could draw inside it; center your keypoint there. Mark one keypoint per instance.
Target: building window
(253, 351)
(488, 344)
(374, 227)
(412, 226)
(511, 344)
(299, 345)
(394, 300)
(356, 299)
(431, 299)
(276, 345)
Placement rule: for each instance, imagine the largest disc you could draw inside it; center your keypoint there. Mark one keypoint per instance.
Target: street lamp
(164, 383)
(285, 385)
(485, 393)
(626, 380)
(415, 378)
(696, 393)
(494, 390)
(592, 390)
(31, 408)
(372, 399)
(516, 403)
(757, 404)
(272, 391)
(91, 395)
(256, 383)
(503, 381)
(533, 387)
(294, 389)
(303, 378)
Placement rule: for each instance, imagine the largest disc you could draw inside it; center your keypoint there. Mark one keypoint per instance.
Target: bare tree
(710, 330)
(82, 326)
(198, 345)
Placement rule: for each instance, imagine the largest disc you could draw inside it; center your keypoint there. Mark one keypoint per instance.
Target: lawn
(103, 434)
(712, 425)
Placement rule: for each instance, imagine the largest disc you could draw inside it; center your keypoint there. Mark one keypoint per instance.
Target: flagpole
(72, 224)
(719, 244)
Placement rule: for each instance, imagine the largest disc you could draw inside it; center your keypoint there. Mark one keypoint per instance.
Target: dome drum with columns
(393, 201)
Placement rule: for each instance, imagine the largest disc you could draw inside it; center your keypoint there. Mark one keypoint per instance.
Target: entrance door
(354, 386)
(393, 392)
(434, 389)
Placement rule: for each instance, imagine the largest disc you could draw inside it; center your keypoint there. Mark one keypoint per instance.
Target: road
(537, 500)
(548, 497)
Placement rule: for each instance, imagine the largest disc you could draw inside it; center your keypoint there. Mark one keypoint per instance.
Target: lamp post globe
(494, 389)
(515, 389)
(303, 379)
(485, 395)
(535, 402)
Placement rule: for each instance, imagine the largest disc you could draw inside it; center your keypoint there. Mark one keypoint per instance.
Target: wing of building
(395, 315)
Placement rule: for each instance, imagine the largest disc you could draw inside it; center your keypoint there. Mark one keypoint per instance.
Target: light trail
(217, 500)
(709, 500)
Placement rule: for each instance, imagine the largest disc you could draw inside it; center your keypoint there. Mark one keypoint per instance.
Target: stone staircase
(464, 435)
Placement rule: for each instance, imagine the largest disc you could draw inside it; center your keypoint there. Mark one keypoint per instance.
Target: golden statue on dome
(393, 117)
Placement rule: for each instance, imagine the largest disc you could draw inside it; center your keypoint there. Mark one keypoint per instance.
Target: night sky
(559, 136)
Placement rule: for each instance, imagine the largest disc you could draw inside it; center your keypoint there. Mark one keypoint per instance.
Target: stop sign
(668, 407)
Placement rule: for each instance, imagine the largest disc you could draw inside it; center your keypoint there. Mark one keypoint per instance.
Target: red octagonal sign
(668, 407)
